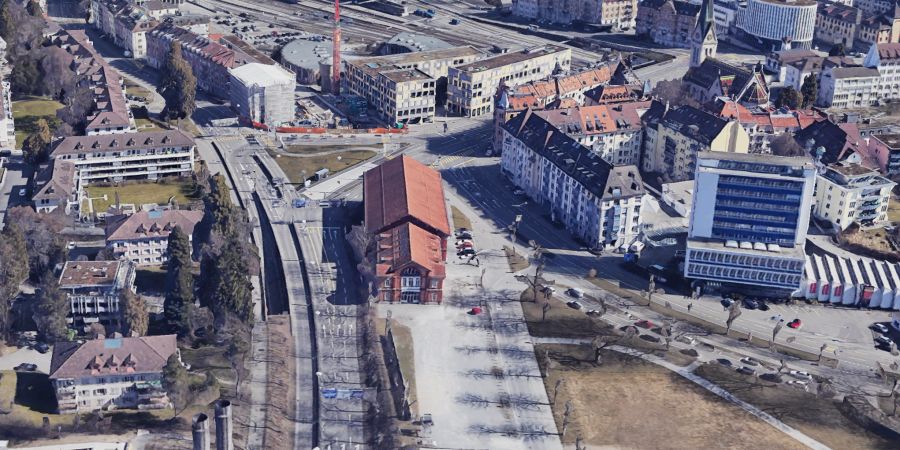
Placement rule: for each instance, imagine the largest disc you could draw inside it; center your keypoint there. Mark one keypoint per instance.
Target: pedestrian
(690, 305)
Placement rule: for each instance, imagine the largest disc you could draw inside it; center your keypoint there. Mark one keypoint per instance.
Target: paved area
(483, 386)
(16, 178)
(26, 355)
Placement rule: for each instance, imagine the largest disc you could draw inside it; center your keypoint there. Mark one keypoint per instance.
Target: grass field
(140, 193)
(132, 88)
(894, 210)
(145, 125)
(404, 343)
(516, 261)
(26, 113)
(630, 403)
(817, 417)
(300, 168)
(460, 220)
(561, 321)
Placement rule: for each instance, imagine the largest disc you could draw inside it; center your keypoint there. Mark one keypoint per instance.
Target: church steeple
(703, 39)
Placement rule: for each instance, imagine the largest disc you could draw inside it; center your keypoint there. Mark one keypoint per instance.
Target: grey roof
(787, 161)
(306, 54)
(854, 72)
(578, 162)
(417, 42)
(698, 124)
(120, 142)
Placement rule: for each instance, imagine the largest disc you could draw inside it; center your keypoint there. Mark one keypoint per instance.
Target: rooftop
(778, 251)
(506, 59)
(151, 224)
(147, 354)
(409, 243)
(306, 54)
(890, 140)
(417, 42)
(597, 119)
(401, 76)
(374, 65)
(854, 72)
(77, 274)
(772, 160)
(119, 142)
(403, 189)
(698, 124)
(262, 75)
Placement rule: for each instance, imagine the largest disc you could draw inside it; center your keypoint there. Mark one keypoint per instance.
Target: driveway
(26, 355)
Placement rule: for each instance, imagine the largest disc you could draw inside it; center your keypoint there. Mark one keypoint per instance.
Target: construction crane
(336, 50)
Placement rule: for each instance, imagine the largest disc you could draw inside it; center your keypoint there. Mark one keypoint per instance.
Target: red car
(795, 324)
(645, 324)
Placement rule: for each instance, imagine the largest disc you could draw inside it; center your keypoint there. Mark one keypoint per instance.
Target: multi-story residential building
(406, 87)
(849, 193)
(93, 290)
(667, 22)
(777, 61)
(263, 93)
(7, 122)
(123, 157)
(56, 185)
(111, 114)
(471, 87)
(714, 78)
(725, 13)
(876, 7)
(125, 23)
(685, 131)
(556, 92)
(848, 87)
(886, 59)
(614, 132)
(795, 73)
(748, 221)
(853, 27)
(597, 202)
(209, 60)
(764, 124)
(406, 214)
(884, 150)
(778, 24)
(619, 14)
(831, 142)
(111, 373)
(143, 237)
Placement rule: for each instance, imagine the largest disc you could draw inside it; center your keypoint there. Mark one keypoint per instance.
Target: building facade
(111, 373)
(748, 221)
(667, 22)
(471, 87)
(848, 87)
(685, 131)
(125, 23)
(886, 59)
(7, 122)
(884, 150)
(93, 290)
(598, 203)
(619, 14)
(263, 93)
(405, 87)
(850, 193)
(143, 237)
(778, 24)
(406, 216)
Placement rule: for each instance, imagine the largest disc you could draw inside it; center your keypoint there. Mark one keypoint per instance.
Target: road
(15, 179)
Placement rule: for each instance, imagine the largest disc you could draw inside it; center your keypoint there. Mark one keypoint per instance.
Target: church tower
(703, 39)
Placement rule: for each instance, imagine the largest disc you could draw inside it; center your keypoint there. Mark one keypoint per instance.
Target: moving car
(795, 324)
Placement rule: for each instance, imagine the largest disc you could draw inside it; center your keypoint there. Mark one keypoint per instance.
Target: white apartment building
(848, 87)
(748, 221)
(405, 87)
(111, 373)
(143, 237)
(849, 193)
(126, 24)
(263, 93)
(93, 289)
(7, 123)
(614, 132)
(598, 203)
(471, 87)
(122, 157)
(885, 58)
(616, 13)
(767, 23)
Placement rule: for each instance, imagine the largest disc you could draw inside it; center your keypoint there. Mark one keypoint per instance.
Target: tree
(50, 310)
(34, 9)
(7, 22)
(734, 311)
(837, 50)
(177, 384)
(785, 145)
(230, 281)
(134, 311)
(97, 330)
(44, 246)
(809, 91)
(675, 93)
(13, 271)
(178, 85)
(790, 98)
(179, 300)
(36, 146)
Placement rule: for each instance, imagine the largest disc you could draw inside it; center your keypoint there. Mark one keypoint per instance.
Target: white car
(799, 384)
(880, 328)
(799, 374)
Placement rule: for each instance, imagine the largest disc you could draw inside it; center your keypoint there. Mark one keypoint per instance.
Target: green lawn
(27, 112)
(140, 193)
(145, 125)
(300, 168)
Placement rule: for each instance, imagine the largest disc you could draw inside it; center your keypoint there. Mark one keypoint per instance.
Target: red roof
(409, 244)
(404, 190)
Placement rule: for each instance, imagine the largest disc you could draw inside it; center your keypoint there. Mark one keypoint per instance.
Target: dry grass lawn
(516, 261)
(460, 220)
(630, 403)
(300, 168)
(141, 193)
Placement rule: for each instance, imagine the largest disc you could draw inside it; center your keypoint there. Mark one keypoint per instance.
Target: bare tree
(567, 415)
(545, 308)
(538, 258)
(559, 382)
(734, 311)
(777, 328)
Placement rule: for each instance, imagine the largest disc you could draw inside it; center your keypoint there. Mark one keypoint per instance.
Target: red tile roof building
(406, 213)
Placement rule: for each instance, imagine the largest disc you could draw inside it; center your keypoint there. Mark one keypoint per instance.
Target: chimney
(200, 431)
(223, 426)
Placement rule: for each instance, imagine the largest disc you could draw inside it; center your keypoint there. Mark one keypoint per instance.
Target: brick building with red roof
(406, 214)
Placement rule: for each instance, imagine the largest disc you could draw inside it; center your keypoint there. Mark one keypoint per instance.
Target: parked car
(574, 305)
(466, 252)
(726, 302)
(749, 361)
(650, 337)
(463, 235)
(574, 292)
(771, 377)
(464, 244)
(26, 367)
(749, 303)
(724, 362)
(879, 327)
(798, 383)
(747, 371)
(763, 306)
(795, 324)
(883, 340)
(593, 312)
(550, 290)
(645, 324)
(42, 347)
(801, 375)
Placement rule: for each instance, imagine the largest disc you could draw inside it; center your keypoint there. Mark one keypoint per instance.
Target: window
(434, 283)
(387, 282)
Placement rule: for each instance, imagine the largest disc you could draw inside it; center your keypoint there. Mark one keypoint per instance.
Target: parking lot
(26, 355)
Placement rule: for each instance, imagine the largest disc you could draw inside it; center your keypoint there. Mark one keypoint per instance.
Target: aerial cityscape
(449, 224)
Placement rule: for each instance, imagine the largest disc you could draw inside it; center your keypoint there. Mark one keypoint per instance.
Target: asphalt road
(16, 179)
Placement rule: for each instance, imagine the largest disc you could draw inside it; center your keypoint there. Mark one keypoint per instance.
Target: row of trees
(178, 86)
(806, 98)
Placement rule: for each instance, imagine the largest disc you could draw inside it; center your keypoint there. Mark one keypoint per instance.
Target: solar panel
(112, 343)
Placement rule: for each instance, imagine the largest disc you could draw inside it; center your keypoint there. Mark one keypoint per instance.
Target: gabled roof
(839, 140)
(732, 79)
(597, 119)
(403, 189)
(56, 181)
(407, 244)
(578, 162)
(97, 357)
(120, 142)
(155, 223)
(695, 123)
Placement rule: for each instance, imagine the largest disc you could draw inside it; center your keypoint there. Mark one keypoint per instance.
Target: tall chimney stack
(223, 426)
(200, 431)
(336, 50)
